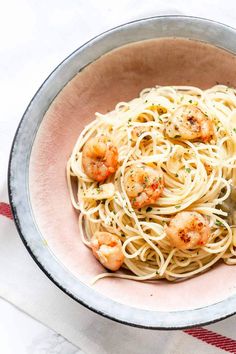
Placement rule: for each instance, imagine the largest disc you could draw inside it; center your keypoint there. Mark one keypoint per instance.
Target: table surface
(21, 334)
(35, 36)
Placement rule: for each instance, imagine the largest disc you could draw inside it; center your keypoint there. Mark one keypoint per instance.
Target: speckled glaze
(58, 112)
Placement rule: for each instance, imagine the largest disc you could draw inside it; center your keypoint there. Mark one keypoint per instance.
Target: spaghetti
(197, 173)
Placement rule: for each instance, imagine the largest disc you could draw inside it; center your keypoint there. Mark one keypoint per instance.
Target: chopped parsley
(234, 129)
(177, 206)
(188, 169)
(190, 101)
(219, 223)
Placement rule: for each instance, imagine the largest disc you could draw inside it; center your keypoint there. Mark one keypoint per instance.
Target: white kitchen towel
(35, 37)
(26, 286)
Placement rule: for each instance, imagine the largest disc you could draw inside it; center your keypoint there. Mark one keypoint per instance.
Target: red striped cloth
(203, 334)
(5, 210)
(213, 338)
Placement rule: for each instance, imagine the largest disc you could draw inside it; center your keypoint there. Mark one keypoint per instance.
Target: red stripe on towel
(213, 338)
(5, 210)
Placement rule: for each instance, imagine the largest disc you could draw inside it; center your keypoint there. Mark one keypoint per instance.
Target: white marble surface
(21, 334)
(35, 36)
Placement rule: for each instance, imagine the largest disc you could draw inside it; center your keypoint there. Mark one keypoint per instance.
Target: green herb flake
(177, 206)
(190, 101)
(188, 170)
(234, 129)
(219, 223)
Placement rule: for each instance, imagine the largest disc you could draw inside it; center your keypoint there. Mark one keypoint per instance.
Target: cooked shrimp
(187, 230)
(99, 158)
(144, 184)
(190, 123)
(107, 248)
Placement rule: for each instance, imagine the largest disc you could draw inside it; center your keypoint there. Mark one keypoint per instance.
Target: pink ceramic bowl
(113, 67)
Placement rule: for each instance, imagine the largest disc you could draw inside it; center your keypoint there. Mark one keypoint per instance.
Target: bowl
(114, 66)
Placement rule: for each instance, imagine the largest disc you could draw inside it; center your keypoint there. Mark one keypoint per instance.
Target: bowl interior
(119, 76)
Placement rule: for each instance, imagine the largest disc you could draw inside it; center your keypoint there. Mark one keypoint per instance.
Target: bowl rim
(215, 308)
